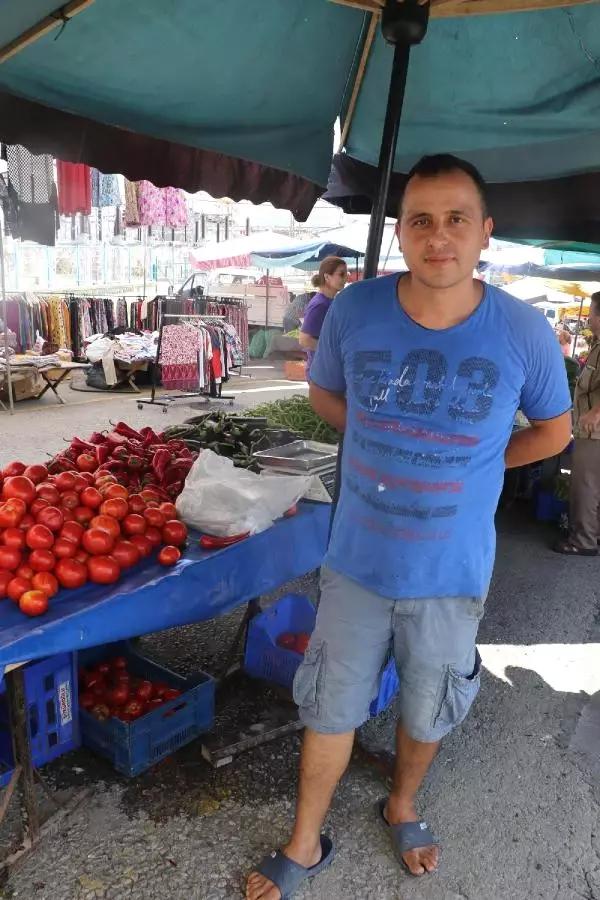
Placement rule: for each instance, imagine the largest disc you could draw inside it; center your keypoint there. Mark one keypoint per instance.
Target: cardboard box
(24, 386)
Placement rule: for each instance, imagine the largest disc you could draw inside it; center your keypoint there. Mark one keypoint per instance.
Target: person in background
(584, 505)
(564, 339)
(329, 281)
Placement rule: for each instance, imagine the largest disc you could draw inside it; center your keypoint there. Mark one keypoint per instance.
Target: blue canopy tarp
(240, 98)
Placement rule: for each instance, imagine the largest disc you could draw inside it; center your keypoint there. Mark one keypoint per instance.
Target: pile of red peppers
(137, 459)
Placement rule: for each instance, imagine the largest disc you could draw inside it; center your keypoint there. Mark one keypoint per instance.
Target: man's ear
(397, 230)
(488, 228)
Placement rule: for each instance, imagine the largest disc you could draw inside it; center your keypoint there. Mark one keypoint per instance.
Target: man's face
(594, 320)
(442, 229)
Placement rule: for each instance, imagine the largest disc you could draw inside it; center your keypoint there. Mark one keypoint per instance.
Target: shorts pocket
(308, 682)
(460, 692)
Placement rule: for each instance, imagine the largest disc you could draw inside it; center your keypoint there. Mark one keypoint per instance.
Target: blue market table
(150, 598)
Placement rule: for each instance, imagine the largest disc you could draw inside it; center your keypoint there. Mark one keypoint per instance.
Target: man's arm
(307, 341)
(542, 440)
(328, 405)
(590, 421)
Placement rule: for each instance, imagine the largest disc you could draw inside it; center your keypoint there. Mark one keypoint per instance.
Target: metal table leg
(17, 706)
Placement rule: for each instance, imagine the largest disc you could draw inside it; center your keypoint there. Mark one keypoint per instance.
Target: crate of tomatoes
(134, 712)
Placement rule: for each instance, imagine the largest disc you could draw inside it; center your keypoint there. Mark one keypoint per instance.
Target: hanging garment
(9, 210)
(32, 177)
(179, 357)
(74, 188)
(105, 189)
(162, 206)
(132, 212)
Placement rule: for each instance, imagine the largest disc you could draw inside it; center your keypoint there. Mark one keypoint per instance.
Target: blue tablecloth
(151, 598)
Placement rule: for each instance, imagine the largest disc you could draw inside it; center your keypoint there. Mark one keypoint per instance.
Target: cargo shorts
(431, 639)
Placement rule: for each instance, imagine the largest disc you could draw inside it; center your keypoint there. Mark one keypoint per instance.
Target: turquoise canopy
(241, 97)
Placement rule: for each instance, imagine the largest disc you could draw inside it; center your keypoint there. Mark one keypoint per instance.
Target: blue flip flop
(405, 837)
(288, 875)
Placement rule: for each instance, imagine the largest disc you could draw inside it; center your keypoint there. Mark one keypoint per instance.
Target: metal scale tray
(299, 456)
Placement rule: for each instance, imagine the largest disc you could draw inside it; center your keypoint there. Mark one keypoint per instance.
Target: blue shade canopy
(241, 97)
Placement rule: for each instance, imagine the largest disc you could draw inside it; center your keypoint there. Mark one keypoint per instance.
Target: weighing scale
(304, 458)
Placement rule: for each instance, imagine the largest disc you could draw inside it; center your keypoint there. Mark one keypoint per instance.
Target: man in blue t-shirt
(424, 374)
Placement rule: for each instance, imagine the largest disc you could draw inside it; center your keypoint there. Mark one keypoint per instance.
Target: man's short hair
(445, 164)
(595, 301)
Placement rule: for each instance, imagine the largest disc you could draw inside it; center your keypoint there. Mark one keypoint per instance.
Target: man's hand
(544, 439)
(590, 422)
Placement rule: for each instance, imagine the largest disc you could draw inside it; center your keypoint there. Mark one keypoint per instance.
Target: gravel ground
(513, 795)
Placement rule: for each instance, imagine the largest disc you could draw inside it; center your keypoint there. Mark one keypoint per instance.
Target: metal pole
(577, 329)
(5, 318)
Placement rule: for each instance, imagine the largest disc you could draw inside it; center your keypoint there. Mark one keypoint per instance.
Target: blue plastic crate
(295, 613)
(136, 746)
(549, 508)
(51, 692)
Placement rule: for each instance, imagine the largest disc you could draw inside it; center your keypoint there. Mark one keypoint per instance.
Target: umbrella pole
(5, 319)
(403, 25)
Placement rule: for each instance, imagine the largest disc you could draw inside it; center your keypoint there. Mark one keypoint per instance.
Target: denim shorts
(432, 640)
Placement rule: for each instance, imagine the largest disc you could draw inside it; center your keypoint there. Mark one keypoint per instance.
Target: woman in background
(329, 281)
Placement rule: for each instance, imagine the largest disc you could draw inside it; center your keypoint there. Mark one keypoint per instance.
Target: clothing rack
(166, 399)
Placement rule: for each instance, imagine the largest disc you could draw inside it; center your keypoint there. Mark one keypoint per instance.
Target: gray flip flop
(288, 875)
(405, 837)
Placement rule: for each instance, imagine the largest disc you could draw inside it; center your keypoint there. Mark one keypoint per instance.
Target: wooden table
(55, 374)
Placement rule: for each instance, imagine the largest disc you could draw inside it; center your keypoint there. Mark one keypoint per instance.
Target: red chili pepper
(126, 431)
(77, 446)
(160, 461)
(174, 490)
(135, 463)
(115, 440)
(120, 453)
(211, 542)
(102, 453)
(97, 437)
(150, 438)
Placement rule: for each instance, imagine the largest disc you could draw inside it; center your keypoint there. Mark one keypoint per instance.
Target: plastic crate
(549, 508)
(136, 746)
(50, 692)
(264, 659)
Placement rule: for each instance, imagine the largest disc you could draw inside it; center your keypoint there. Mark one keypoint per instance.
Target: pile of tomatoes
(108, 689)
(66, 529)
(296, 642)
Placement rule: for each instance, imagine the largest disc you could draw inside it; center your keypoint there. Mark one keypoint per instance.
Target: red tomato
(26, 522)
(33, 603)
(69, 500)
(119, 695)
(63, 548)
(115, 491)
(84, 479)
(120, 676)
(85, 462)
(149, 496)
(174, 532)
(10, 558)
(37, 473)
(93, 680)
(287, 641)
(102, 479)
(39, 537)
(154, 703)
(17, 587)
(13, 468)
(117, 508)
(70, 573)
(100, 711)
(20, 488)
(5, 578)
(107, 523)
(66, 481)
(13, 537)
(38, 505)
(97, 542)
(136, 504)
(171, 694)
(126, 554)
(51, 517)
(42, 560)
(12, 513)
(103, 569)
(83, 514)
(154, 536)
(134, 709)
(48, 492)
(119, 663)
(72, 531)
(159, 689)
(91, 497)
(168, 510)
(168, 556)
(25, 572)
(103, 668)
(154, 517)
(142, 543)
(144, 690)
(86, 700)
(301, 642)
(81, 556)
(133, 524)
(46, 582)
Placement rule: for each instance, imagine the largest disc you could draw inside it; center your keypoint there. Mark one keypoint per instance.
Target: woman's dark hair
(329, 266)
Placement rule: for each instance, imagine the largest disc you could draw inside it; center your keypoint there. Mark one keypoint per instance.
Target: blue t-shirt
(429, 416)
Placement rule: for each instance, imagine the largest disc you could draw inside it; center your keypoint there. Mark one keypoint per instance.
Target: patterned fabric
(179, 357)
(162, 206)
(132, 212)
(8, 209)
(31, 176)
(105, 189)
(74, 188)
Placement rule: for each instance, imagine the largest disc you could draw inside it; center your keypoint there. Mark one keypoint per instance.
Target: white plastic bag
(222, 500)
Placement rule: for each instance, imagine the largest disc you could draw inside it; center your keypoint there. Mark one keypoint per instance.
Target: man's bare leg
(413, 759)
(324, 760)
